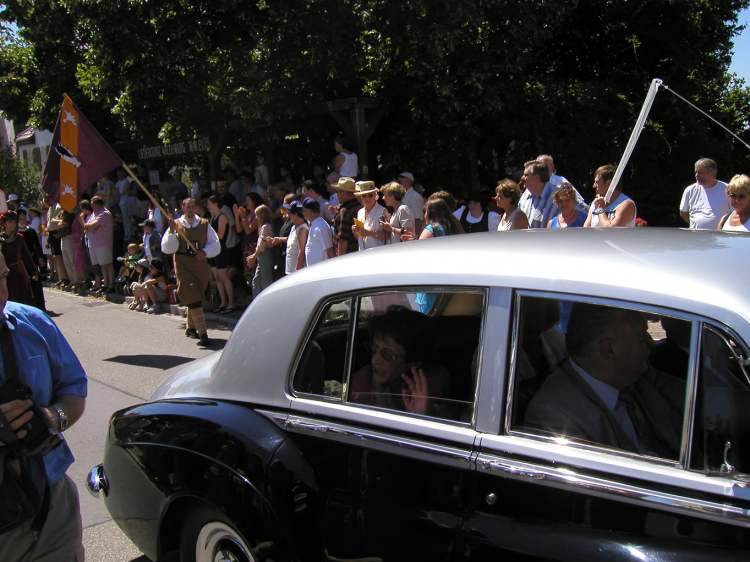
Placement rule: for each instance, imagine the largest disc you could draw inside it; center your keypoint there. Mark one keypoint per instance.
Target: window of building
(600, 375)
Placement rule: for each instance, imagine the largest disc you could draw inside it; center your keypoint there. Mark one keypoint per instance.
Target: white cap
(408, 175)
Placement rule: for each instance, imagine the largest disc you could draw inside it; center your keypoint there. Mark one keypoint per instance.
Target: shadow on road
(163, 362)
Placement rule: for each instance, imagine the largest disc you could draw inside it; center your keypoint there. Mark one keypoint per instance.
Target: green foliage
(18, 177)
(469, 89)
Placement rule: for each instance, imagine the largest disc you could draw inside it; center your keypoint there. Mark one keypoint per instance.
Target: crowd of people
(115, 240)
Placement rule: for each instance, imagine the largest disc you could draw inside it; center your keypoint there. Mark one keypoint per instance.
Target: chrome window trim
(688, 424)
(302, 345)
(458, 455)
(603, 301)
(490, 398)
(567, 479)
(356, 297)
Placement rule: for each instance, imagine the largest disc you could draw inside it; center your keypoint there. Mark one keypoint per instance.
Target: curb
(173, 309)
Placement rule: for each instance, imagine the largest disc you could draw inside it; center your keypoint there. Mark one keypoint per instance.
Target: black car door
(393, 483)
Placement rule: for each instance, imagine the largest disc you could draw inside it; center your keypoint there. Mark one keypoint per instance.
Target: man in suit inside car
(607, 393)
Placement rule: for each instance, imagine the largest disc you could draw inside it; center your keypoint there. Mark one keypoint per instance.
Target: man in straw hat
(191, 265)
(345, 241)
(367, 228)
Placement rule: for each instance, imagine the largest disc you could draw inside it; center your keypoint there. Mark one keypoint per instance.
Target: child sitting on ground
(139, 275)
(126, 275)
(153, 289)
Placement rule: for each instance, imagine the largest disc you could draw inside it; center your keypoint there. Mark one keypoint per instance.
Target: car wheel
(208, 536)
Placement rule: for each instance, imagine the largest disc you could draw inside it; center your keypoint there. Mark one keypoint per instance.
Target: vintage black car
(569, 396)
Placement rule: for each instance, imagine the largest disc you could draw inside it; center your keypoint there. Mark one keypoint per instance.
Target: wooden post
(156, 203)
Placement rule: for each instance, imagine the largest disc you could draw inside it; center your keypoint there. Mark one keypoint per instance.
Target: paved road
(126, 355)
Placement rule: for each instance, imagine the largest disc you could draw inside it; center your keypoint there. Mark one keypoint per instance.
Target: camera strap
(10, 361)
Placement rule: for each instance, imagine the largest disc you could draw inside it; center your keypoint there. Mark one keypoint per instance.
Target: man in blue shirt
(49, 367)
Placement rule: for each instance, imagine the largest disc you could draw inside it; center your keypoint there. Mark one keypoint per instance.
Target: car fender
(169, 454)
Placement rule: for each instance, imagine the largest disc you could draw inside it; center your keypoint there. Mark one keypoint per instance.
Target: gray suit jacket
(566, 405)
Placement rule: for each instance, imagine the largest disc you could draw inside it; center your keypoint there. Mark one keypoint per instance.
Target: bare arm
(624, 214)
(223, 222)
(685, 216)
(302, 242)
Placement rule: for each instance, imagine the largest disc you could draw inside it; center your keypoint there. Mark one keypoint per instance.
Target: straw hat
(344, 184)
(365, 188)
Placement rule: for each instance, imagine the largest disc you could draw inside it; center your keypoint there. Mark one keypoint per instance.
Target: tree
(18, 177)
(468, 90)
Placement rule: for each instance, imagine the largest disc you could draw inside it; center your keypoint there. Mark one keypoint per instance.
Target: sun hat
(345, 184)
(365, 188)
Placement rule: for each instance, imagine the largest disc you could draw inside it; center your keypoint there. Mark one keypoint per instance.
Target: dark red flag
(78, 157)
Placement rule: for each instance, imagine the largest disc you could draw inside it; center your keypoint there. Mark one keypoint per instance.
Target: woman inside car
(398, 375)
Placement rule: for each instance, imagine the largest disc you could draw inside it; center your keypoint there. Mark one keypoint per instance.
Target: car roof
(699, 267)
(697, 272)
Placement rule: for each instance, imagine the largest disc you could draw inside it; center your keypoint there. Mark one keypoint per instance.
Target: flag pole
(156, 203)
(639, 125)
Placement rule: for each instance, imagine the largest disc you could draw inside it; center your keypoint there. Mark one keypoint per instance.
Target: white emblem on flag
(67, 190)
(70, 118)
(66, 155)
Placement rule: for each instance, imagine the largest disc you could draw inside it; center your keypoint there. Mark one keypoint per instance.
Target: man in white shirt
(319, 245)
(192, 240)
(704, 202)
(413, 200)
(310, 190)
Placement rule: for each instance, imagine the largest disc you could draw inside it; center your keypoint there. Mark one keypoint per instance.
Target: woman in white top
(507, 194)
(401, 220)
(346, 163)
(621, 211)
(367, 227)
(738, 192)
(297, 239)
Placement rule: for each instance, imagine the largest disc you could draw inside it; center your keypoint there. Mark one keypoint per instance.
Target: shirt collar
(10, 320)
(606, 393)
(192, 224)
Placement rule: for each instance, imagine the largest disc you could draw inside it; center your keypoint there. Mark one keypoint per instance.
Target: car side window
(601, 375)
(417, 352)
(322, 367)
(721, 433)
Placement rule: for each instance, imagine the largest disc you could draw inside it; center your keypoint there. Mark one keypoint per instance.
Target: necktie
(648, 441)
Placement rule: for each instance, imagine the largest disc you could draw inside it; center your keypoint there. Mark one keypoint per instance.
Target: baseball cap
(408, 175)
(311, 204)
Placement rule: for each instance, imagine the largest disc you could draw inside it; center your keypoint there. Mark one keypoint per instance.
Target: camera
(39, 439)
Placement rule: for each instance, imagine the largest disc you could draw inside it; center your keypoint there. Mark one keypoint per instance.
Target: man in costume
(192, 241)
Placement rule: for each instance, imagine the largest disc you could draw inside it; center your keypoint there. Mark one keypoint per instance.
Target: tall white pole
(639, 125)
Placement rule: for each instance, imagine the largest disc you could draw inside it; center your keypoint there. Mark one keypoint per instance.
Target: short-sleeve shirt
(343, 224)
(402, 219)
(540, 210)
(705, 205)
(415, 202)
(49, 366)
(100, 237)
(371, 222)
(319, 240)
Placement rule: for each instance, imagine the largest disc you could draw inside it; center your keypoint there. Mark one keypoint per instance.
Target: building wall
(7, 135)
